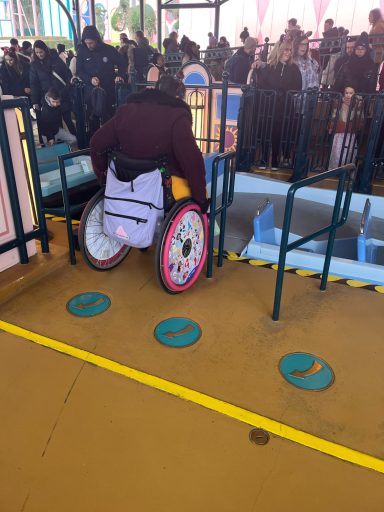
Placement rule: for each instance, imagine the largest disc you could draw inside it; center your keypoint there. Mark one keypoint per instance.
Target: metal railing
(67, 207)
(40, 232)
(346, 176)
(363, 138)
(227, 196)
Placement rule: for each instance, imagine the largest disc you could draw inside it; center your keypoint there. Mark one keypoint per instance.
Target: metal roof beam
(188, 6)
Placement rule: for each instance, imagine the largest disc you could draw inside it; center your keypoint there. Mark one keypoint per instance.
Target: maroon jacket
(152, 125)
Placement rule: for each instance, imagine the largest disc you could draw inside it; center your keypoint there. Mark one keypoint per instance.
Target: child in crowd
(345, 148)
(51, 120)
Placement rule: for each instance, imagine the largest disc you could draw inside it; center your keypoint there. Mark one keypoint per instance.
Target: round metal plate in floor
(177, 332)
(88, 304)
(259, 436)
(306, 371)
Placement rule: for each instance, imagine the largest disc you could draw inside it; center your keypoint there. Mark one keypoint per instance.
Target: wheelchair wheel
(98, 250)
(182, 247)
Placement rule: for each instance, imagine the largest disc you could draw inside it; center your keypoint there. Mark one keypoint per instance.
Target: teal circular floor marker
(88, 304)
(177, 332)
(306, 371)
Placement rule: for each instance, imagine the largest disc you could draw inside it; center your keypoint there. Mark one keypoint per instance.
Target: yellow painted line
(305, 273)
(258, 263)
(334, 279)
(276, 267)
(356, 284)
(62, 219)
(231, 256)
(232, 411)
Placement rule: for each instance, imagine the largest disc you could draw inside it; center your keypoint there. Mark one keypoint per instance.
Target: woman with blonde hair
(281, 74)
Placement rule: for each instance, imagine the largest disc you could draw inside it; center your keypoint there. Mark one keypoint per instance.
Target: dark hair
(123, 34)
(210, 34)
(350, 84)
(25, 45)
(140, 34)
(292, 21)
(10, 52)
(171, 85)
(13, 41)
(376, 15)
(166, 42)
(53, 93)
(296, 43)
(155, 56)
(352, 39)
(244, 34)
(189, 51)
(329, 21)
(184, 42)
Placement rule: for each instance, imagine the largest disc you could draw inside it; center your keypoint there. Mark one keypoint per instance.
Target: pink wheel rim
(185, 248)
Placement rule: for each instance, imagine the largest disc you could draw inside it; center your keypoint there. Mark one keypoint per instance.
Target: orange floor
(80, 438)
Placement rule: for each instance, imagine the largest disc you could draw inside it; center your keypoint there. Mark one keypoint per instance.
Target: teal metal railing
(40, 232)
(227, 195)
(346, 176)
(69, 209)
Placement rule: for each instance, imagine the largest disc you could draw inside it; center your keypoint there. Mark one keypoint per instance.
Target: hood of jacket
(91, 32)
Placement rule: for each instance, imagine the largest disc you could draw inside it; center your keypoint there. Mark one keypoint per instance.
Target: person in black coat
(239, 65)
(359, 69)
(51, 120)
(95, 66)
(14, 75)
(280, 75)
(49, 71)
(329, 44)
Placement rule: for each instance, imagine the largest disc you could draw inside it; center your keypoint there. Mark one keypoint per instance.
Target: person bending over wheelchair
(156, 124)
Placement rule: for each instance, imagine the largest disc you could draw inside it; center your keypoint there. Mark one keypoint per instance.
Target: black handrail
(345, 174)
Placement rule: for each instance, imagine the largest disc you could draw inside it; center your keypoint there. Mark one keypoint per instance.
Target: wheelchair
(181, 243)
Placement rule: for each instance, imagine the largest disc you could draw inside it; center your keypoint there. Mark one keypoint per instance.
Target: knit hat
(363, 40)
(250, 43)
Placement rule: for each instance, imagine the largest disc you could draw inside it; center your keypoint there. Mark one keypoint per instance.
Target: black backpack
(99, 103)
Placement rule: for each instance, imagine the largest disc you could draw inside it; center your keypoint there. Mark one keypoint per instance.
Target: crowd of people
(46, 75)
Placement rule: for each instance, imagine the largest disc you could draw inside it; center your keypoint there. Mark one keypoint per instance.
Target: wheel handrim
(100, 247)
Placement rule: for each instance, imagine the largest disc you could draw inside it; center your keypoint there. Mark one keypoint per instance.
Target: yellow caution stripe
(232, 411)
(233, 256)
(54, 218)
